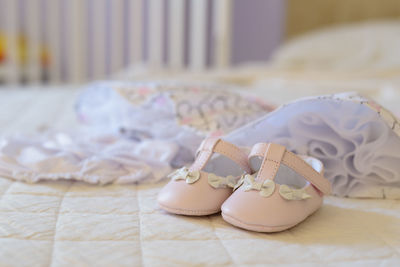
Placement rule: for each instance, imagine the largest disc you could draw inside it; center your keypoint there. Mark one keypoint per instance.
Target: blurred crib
(59, 41)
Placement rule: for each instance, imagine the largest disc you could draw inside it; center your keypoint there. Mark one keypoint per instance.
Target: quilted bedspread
(66, 223)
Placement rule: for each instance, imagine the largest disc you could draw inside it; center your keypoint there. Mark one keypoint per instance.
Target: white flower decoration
(240, 182)
(184, 174)
(266, 188)
(220, 181)
(289, 193)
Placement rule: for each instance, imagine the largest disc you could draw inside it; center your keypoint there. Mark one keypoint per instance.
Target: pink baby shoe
(202, 188)
(284, 191)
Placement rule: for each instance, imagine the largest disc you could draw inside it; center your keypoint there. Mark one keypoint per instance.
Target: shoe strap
(216, 145)
(273, 155)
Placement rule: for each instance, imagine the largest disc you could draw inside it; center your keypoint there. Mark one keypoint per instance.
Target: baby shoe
(284, 191)
(202, 188)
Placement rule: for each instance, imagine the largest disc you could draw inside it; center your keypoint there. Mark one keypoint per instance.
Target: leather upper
(200, 197)
(248, 208)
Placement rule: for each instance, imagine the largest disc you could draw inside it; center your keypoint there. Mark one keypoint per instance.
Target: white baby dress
(136, 132)
(357, 140)
(131, 132)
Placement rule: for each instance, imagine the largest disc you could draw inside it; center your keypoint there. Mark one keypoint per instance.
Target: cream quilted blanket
(75, 224)
(68, 223)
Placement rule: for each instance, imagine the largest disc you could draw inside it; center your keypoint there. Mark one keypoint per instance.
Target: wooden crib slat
(11, 31)
(135, 19)
(32, 16)
(176, 33)
(54, 26)
(117, 35)
(198, 35)
(77, 49)
(3, 70)
(222, 32)
(88, 37)
(155, 33)
(98, 49)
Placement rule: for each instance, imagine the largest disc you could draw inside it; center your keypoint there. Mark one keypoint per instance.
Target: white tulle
(93, 159)
(357, 146)
(131, 132)
(140, 132)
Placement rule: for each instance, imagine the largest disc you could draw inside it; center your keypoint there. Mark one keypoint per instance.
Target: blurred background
(75, 41)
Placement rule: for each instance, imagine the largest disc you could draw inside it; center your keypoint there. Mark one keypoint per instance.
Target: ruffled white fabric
(357, 141)
(131, 132)
(93, 159)
(182, 113)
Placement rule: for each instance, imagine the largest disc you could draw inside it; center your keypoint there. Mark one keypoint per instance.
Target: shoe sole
(188, 212)
(256, 227)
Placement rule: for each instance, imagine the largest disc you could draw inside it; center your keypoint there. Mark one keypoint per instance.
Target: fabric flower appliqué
(289, 193)
(184, 174)
(221, 181)
(267, 188)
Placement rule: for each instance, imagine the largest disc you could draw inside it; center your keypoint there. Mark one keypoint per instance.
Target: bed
(77, 224)
(67, 223)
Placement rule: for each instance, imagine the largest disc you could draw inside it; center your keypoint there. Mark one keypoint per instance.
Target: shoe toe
(251, 211)
(198, 198)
